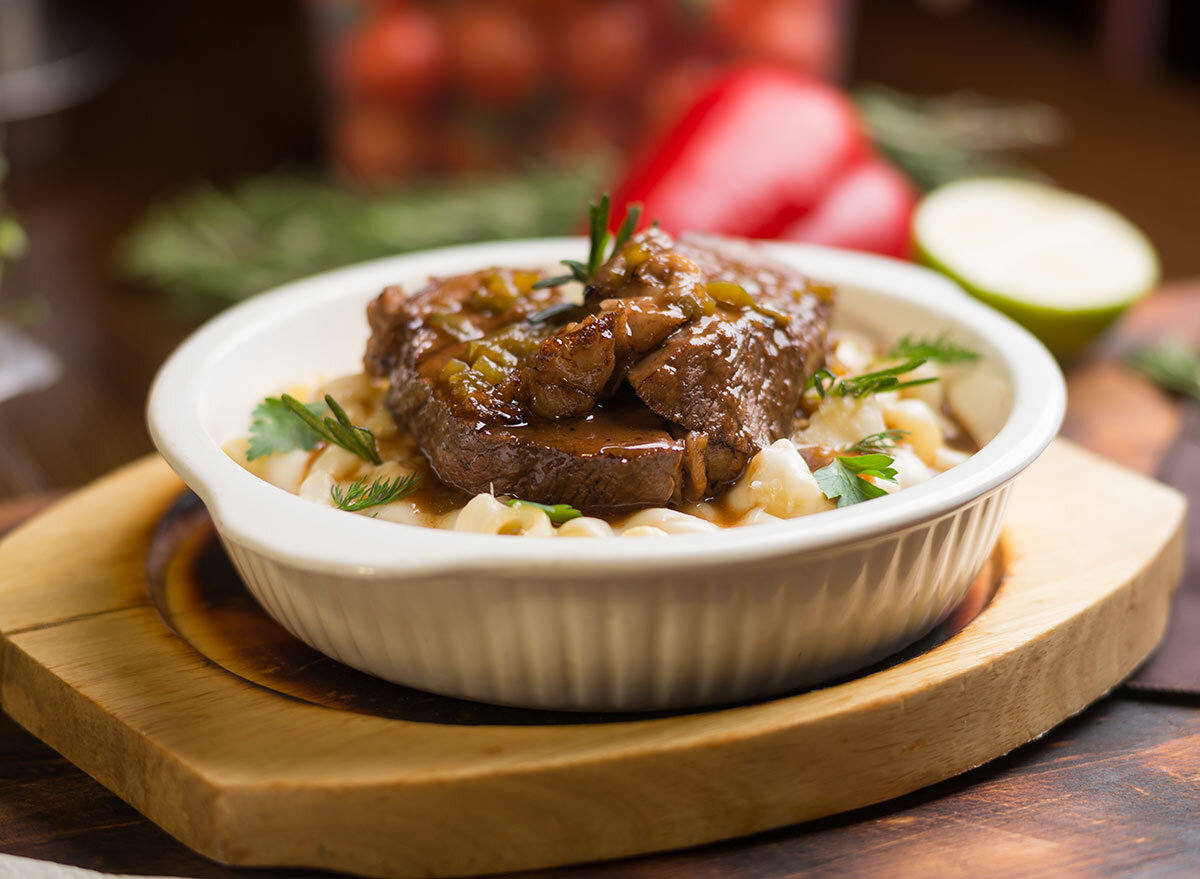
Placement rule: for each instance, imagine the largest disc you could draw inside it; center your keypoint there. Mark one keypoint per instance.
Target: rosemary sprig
(939, 350)
(878, 443)
(601, 243)
(558, 513)
(360, 496)
(1170, 364)
(827, 384)
(341, 432)
(942, 138)
(552, 311)
(208, 247)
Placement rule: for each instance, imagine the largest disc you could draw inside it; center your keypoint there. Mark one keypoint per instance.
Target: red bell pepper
(770, 153)
(869, 207)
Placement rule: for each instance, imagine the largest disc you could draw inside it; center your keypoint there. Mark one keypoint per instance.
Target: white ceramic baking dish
(603, 624)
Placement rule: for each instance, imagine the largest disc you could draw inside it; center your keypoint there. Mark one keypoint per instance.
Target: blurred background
(164, 160)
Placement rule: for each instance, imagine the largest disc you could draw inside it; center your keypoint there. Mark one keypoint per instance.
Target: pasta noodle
(777, 484)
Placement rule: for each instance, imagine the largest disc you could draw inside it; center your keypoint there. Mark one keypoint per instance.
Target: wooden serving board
(174, 700)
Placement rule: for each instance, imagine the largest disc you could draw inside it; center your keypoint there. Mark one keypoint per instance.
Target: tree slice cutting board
(247, 773)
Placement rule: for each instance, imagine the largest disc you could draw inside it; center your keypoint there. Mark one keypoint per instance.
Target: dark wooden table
(1113, 792)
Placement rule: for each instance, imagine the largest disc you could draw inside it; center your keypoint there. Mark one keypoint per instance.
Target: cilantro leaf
(843, 479)
(274, 428)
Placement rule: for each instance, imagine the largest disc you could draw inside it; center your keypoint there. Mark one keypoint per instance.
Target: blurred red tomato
(603, 46)
(672, 91)
(459, 147)
(869, 207)
(397, 54)
(496, 52)
(377, 144)
(585, 131)
(795, 32)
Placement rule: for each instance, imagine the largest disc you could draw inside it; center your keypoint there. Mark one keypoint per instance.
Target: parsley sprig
(339, 431)
(1171, 364)
(600, 240)
(843, 479)
(878, 443)
(275, 428)
(938, 349)
(361, 496)
(829, 385)
(558, 513)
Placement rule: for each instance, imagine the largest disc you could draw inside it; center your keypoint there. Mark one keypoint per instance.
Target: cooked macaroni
(777, 484)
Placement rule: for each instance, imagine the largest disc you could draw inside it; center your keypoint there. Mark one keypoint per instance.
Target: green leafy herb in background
(942, 138)
(1171, 364)
(208, 248)
(12, 237)
(275, 428)
(558, 513)
(360, 496)
(843, 479)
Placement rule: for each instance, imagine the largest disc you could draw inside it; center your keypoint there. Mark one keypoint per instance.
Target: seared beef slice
(716, 340)
(478, 436)
(666, 320)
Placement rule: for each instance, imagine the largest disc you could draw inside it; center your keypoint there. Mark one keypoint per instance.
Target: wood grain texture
(1110, 793)
(1118, 412)
(199, 595)
(88, 666)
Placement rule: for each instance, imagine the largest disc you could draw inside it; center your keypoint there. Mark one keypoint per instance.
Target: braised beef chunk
(715, 339)
(606, 460)
(465, 334)
(572, 369)
(453, 358)
(737, 377)
(726, 340)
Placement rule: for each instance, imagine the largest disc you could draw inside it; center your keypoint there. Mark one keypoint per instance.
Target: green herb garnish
(939, 349)
(341, 432)
(275, 428)
(558, 513)
(1170, 364)
(878, 443)
(829, 385)
(600, 239)
(360, 496)
(843, 479)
